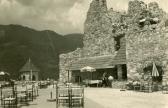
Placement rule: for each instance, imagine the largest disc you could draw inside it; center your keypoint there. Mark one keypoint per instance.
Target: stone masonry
(146, 37)
(144, 26)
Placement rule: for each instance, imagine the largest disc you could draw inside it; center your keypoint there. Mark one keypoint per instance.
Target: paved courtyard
(114, 98)
(106, 98)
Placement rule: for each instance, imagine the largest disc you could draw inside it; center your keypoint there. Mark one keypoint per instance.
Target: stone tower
(97, 39)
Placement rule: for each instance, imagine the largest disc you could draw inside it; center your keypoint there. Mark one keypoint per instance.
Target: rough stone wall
(65, 61)
(145, 28)
(100, 28)
(95, 29)
(99, 33)
(146, 37)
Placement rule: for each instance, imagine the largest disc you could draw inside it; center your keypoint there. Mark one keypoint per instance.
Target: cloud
(118, 4)
(62, 16)
(77, 14)
(38, 14)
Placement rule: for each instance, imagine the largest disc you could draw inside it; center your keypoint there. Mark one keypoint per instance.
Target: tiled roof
(102, 62)
(29, 66)
(95, 62)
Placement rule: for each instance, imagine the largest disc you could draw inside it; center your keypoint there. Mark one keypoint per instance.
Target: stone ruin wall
(65, 61)
(147, 43)
(143, 44)
(98, 35)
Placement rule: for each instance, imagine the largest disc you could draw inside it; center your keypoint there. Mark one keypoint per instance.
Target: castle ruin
(122, 43)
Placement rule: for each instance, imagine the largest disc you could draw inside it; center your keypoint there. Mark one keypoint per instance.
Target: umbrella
(88, 69)
(155, 72)
(2, 73)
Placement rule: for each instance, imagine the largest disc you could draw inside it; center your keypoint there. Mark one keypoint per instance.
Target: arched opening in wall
(148, 71)
(34, 78)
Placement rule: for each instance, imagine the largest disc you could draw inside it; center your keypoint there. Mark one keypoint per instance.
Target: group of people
(107, 81)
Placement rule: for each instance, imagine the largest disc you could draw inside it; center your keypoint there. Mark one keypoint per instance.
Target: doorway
(34, 78)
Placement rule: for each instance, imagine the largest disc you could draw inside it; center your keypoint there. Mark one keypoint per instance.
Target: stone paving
(114, 98)
(106, 98)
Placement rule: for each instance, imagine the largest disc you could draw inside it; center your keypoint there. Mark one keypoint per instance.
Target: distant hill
(72, 41)
(18, 43)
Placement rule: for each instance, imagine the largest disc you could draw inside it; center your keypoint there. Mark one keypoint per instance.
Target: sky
(61, 16)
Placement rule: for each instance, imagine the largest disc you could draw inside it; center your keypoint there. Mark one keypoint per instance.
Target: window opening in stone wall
(117, 44)
(152, 21)
(141, 23)
(117, 41)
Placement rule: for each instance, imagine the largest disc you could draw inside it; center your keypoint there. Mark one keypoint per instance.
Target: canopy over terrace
(113, 64)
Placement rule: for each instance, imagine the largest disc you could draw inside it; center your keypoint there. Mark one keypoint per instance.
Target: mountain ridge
(18, 43)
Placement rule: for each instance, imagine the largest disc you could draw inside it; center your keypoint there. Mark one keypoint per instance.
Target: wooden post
(51, 95)
(1, 93)
(68, 76)
(56, 95)
(70, 96)
(119, 72)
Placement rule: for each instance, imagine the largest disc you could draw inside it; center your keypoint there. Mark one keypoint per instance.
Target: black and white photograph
(83, 53)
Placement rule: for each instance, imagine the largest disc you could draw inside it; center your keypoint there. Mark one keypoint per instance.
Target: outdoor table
(97, 82)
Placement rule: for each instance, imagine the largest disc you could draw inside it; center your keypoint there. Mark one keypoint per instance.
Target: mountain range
(19, 43)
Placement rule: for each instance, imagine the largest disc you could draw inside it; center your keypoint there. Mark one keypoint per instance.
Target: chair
(71, 96)
(30, 91)
(62, 96)
(8, 97)
(147, 88)
(21, 93)
(136, 85)
(77, 96)
(165, 89)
